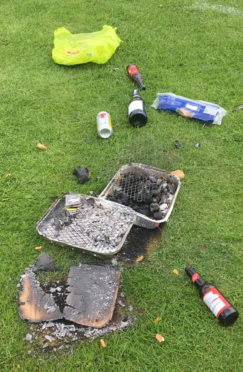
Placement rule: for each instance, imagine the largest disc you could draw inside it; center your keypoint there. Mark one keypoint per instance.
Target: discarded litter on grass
(137, 114)
(140, 258)
(81, 307)
(135, 75)
(149, 191)
(94, 225)
(40, 146)
(102, 343)
(104, 125)
(89, 295)
(189, 108)
(159, 337)
(45, 263)
(178, 144)
(213, 298)
(179, 173)
(73, 49)
(82, 174)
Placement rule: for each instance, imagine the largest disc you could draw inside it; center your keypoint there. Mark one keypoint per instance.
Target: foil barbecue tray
(97, 226)
(138, 184)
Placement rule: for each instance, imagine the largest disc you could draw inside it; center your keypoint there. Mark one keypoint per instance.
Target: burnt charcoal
(171, 188)
(162, 200)
(82, 174)
(144, 194)
(148, 199)
(152, 179)
(154, 207)
(111, 198)
(158, 215)
(155, 192)
(118, 194)
(125, 200)
(143, 210)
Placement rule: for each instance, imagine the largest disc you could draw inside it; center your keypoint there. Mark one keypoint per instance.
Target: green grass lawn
(189, 47)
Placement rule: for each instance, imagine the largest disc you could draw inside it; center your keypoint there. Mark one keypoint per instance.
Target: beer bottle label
(215, 301)
(135, 105)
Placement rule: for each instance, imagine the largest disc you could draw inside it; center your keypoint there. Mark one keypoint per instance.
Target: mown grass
(180, 49)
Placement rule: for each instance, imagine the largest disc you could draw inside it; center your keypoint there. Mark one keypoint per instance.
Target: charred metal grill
(136, 187)
(137, 184)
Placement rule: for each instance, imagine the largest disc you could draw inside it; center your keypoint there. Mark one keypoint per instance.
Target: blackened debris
(88, 297)
(178, 144)
(45, 263)
(82, 174)
(138, 243)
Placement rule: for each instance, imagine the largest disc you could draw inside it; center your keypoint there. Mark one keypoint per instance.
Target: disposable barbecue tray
(138, 191)
(96, 225)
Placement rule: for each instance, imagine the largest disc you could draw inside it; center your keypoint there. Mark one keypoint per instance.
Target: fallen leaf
(159, 337)
(157, 320)
(41, 147)
(102, 342)
(140, 258)
(175, 271)
(179, 173)
(7, 175)
(40, 247)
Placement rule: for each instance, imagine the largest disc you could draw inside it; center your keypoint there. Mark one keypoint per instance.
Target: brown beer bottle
(213, 298)
(135, 75)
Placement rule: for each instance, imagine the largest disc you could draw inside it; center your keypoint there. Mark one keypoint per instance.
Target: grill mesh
(101, 229)
(136, 187)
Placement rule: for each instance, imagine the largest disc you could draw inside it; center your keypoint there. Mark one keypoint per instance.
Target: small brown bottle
(214, 299)
(135, 75)
(137, 114)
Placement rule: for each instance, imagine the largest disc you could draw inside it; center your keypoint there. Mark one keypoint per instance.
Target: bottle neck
(136, 93)
(195, 277)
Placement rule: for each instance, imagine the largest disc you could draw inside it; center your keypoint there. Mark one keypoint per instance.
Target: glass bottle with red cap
(213, 298)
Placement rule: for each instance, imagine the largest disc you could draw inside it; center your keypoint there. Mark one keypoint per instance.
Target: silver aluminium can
(104, 126)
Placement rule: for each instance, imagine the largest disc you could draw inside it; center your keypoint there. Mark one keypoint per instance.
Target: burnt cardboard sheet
(88, 297)
(34, 304)
(92, 294)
